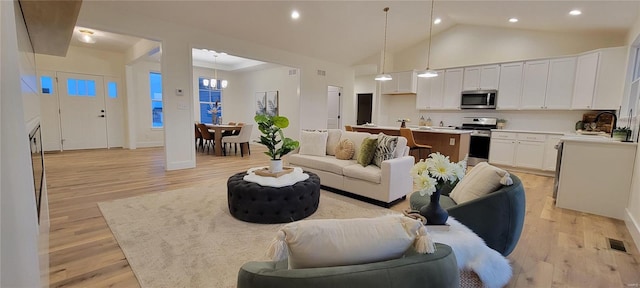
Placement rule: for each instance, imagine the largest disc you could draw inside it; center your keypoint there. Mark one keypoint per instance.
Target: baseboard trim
(181, 165)
(362, 198)
(149, 144)
(633, 226)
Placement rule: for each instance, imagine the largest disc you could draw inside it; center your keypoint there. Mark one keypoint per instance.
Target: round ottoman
(254, 203)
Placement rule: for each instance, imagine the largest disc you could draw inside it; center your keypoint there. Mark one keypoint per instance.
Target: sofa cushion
(481, 180)
(385, 149)
(313, 143)
(369, 173)
(338, 242)
(357, 138)
(333, 138)
(401, 148)
(323, 163)
(345, 149)
(367, 151)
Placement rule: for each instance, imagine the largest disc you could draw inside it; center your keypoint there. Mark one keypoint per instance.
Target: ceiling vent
(322, 72)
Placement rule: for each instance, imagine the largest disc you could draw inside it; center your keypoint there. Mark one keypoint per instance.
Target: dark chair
(411, 142)
(207, 137)
(497, 217)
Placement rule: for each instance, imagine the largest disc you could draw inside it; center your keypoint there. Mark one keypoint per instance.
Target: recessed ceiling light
(295, 14)
(86, 36)
(513, 20)
(437, 21)
(575, 12)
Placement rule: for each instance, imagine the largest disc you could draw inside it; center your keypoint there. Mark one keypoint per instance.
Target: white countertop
(442, 130)
(529, 131)
(594, 139)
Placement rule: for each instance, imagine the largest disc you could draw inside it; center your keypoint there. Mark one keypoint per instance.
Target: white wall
(465, 45)
(177, 41)
(141, 120)
(19, 264)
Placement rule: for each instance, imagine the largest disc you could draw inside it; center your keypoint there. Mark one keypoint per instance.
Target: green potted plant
(273, 137)
(500, 123)
(621, 133)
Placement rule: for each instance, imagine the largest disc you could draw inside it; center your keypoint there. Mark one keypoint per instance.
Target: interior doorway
(333, 107)
(365, 108)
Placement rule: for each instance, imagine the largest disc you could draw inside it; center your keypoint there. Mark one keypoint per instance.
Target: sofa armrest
(396, 175)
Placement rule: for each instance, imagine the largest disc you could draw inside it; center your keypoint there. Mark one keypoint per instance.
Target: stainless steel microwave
(479, 99)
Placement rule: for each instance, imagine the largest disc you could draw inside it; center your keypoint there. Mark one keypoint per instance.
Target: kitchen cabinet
(513, 149)
(401, 83)
(560, 83)
(550, 152)
(529, 150)
(599, 79)
(585, 83)
(481, 78)
(510, 85)
(430, 92)
(452, 88)
(534, 85)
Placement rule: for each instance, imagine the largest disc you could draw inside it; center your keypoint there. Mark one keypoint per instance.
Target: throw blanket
(472, 253)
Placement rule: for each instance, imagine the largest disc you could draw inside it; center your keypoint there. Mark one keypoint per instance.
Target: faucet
(615, 119)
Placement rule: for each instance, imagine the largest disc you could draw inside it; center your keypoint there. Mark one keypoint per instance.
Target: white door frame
(331, 94)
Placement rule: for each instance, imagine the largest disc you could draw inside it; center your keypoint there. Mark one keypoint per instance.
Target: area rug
(187, 238)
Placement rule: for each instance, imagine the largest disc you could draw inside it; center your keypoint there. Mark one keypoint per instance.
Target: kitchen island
(595, 175)
(447, 141)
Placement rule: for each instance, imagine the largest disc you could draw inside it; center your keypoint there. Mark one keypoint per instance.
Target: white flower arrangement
(436, 172)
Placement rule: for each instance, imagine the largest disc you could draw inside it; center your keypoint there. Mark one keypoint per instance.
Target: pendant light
(213, 82)
(428, 73)
(383, 76)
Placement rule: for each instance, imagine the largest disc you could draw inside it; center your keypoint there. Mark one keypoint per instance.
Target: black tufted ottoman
(254, 203)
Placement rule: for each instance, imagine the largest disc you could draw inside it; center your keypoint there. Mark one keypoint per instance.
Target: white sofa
(380, 185)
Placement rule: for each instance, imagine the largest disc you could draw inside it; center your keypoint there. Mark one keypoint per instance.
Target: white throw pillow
(481, 180)
(337, 242)
(313, 143)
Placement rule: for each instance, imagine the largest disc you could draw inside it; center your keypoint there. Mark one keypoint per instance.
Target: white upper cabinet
(481, 77)
(585, 83)
(560, 83)
(401, 83)
(452, 88)
(534, 84)
(510, 86)
(430, 92)
(610, 81)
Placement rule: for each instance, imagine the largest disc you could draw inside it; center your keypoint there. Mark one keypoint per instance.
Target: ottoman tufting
(254, 203)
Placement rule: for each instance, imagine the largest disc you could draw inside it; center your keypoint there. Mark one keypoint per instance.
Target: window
(46, 83)
(112, 90)
(155, 83)
(81, 87)
(210, 105)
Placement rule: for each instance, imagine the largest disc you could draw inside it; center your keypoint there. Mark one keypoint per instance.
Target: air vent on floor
(616, 245)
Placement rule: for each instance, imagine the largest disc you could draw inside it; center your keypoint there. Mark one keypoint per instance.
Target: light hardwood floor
(558, 247)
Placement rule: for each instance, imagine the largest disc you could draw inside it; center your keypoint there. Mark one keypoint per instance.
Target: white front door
(82, 111)
(333, 107)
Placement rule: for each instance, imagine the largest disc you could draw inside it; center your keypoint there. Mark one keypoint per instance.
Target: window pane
(112, 89)
(91, 87)
(205, 117)
(46, 83)
(72, 87)
(82, 87)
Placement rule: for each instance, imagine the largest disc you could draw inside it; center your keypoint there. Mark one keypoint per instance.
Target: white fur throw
(473, 254)
(337, 242)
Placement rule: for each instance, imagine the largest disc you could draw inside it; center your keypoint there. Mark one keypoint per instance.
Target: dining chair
(228, 132)
(411, 142)
(242, 138)
(236, 132)
(207, 137)
(198, 136)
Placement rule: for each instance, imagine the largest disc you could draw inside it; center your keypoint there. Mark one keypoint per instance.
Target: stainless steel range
(480, 137)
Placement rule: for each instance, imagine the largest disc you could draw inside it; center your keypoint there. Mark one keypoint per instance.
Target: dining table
(217, 136)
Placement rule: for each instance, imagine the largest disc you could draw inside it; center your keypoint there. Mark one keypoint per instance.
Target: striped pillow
(384, 150)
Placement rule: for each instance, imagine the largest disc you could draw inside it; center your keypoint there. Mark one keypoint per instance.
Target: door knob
(102, 110)
(101, 116)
